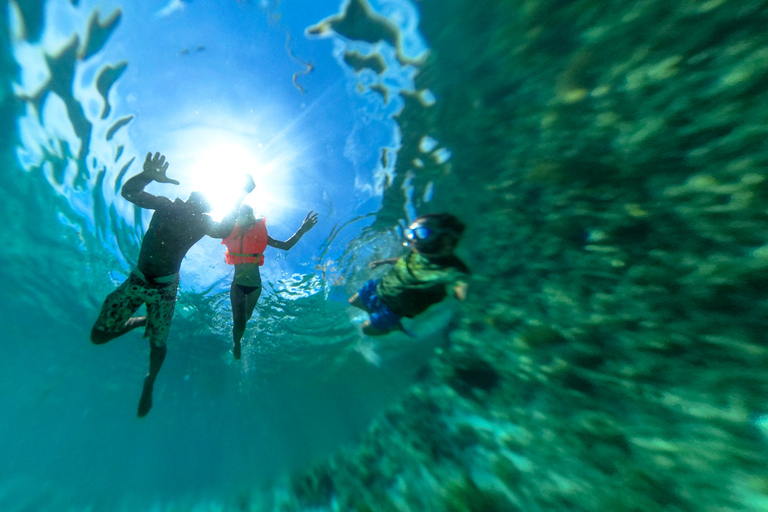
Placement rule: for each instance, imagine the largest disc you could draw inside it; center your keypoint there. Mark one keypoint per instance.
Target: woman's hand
(309, 221)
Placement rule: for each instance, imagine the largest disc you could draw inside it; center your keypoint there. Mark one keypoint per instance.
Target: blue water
(194, 80)
(606, 157)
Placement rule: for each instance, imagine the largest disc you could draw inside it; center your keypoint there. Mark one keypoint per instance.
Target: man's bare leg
(156, 358)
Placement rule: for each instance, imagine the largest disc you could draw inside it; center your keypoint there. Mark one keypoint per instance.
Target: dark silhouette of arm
(154, 170)
(224, 228)
(309, 222)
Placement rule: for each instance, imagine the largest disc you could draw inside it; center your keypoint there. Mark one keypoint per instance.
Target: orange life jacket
(247, 246)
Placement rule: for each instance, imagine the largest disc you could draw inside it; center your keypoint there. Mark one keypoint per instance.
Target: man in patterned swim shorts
(175, 227)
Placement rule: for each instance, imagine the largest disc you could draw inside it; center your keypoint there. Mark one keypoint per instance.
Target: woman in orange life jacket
(245, 250)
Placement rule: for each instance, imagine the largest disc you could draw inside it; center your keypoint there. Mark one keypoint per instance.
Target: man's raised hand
(156, 167)
(249, 184)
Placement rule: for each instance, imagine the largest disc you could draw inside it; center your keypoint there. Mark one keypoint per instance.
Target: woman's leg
(238, 300)
(250, 302)
(244, 313)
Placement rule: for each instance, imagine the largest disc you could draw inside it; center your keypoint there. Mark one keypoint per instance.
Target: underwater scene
(596, 339)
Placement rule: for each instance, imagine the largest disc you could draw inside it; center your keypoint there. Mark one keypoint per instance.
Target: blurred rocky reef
(609, 159)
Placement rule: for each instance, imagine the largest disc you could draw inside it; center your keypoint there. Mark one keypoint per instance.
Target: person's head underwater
(245, 216)
(435, 234)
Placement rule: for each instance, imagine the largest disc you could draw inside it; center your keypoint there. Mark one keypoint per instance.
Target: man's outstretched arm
(154, 170)
(309, 222)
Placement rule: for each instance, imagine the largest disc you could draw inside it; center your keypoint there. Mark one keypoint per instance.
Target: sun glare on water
(219, 171)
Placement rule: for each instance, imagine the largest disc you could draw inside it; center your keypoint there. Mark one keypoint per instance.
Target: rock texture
(609, 158)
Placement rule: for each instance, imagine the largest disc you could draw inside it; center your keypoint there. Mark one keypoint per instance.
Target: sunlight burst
(219, 172)
(216, 162)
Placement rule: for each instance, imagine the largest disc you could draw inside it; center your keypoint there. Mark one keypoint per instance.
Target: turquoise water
(76, 126)
(608, 159)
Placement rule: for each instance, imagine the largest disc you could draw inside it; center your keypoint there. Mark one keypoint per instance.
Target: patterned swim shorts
(121, 304)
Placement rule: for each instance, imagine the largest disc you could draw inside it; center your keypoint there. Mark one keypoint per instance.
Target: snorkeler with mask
(417, 280)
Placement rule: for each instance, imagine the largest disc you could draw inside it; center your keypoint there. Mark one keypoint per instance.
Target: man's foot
(357, 302)
(145, 403)
(236, 350)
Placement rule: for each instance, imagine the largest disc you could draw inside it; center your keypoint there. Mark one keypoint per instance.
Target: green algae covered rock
(610, 161)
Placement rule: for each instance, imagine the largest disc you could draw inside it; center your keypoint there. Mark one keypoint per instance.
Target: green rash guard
(415, 282)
